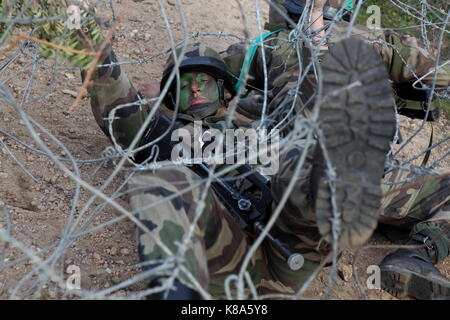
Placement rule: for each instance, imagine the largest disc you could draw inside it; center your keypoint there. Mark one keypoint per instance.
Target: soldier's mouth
(197, 101)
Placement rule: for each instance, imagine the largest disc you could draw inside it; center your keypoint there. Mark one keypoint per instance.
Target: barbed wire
(100, 189)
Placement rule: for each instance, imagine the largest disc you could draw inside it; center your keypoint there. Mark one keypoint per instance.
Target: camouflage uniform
(218, 245)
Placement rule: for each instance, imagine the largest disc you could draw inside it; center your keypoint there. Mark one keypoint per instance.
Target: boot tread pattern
(358, 125)
(402, 283)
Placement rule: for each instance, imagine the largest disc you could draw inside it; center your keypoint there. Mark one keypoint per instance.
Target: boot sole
(403, 283)
(358, 125)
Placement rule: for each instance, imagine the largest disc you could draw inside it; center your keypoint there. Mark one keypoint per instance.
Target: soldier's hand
(150, 90)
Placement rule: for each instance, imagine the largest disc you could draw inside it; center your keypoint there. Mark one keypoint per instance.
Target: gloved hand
(251, 107)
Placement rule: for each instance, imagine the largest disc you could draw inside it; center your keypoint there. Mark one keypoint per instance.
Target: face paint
(197, 88)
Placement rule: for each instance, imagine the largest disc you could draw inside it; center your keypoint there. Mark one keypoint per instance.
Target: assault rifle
(248, 215)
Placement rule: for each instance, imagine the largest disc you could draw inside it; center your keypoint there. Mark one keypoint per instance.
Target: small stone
(52, 293)
(134, 19)
(171, 2)
(345, 272)
(120, 293)
(3, 175)
(124, 251)
(53, 179)
(115, 280)
(96, 256)
(113, 251)
(70, 92)
(147, 36)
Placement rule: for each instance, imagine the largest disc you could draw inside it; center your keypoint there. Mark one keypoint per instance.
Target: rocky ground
(40, 202)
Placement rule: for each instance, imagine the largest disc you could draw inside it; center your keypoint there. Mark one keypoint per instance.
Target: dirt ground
(39, 203)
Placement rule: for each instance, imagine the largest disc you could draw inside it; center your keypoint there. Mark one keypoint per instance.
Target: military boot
(411, 273)
(357, 119)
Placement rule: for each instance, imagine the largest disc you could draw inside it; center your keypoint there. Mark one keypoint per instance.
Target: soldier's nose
(195, 88)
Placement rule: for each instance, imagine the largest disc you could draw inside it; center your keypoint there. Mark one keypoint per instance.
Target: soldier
(357, 120)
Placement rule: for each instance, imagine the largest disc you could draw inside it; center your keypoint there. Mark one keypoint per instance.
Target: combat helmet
(199, 58)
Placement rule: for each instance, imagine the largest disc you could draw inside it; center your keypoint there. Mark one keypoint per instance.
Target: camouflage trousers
(216, 246)
(175, 207)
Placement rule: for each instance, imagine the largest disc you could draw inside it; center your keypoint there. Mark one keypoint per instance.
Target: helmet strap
(221, 88)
